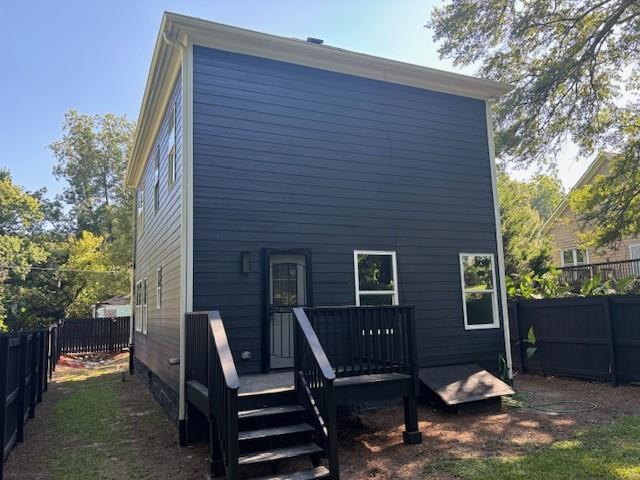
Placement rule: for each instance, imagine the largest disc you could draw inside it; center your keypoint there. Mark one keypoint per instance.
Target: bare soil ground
(371, 447)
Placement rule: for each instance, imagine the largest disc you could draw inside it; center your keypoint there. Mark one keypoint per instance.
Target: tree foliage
(522, 210)
(575, 68)
(20, 213)
(59, 257)
(569, 60)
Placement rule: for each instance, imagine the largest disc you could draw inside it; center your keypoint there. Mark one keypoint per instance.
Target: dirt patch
(375, 450)
(370, 446)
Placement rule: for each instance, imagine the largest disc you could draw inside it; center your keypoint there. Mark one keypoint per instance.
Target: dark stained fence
(94, 335)
(26, 358)
(595, 338)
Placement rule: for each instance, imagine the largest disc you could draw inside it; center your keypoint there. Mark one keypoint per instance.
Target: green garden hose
(549, 407)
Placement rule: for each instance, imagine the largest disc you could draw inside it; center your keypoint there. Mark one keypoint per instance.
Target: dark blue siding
(287, 156)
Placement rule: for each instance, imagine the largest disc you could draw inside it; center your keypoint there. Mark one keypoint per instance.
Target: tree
(575, 66)
(92, 158)
(546, 194)
(524, 250)
(20, 214)
(88, 274)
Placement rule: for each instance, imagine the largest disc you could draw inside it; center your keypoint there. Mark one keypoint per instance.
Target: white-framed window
(571, 257)
(634, 251)
(479, 297)
(140, 209)
(156, 181)
(172, 148)
(376, 275)
(158, 288)
(137, 315)
(145, 298)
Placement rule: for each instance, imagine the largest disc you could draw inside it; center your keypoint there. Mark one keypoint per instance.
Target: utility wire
(59, 269)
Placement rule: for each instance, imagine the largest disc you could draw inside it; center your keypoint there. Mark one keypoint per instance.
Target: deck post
(216, 463)
(412, 434)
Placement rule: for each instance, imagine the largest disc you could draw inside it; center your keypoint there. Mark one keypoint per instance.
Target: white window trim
(159, 282)
(359, 292)
(145, 305)
(493, 291)
(140, 209)
(138, 309)
(172, 162)
(575, 257)
(631, 247)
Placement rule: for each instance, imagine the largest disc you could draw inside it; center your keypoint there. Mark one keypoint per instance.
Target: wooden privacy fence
(594, 338)
(26, 359)
(94, 335)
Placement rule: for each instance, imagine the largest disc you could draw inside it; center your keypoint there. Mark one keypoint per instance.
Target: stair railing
(223, 385)
(314, 380)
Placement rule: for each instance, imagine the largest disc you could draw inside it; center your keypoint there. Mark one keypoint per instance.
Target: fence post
(111, 335)
(515, 319)
(33, 385)
(608, 320)
(4, 367)
(22, 359)
(45, 360)
(40, 347)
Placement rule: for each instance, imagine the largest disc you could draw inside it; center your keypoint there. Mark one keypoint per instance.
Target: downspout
(499, 244)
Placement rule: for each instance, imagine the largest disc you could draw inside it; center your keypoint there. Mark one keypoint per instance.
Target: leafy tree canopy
(575, 67)
(524, 250)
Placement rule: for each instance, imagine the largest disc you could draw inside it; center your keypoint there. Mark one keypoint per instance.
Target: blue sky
(93, 56)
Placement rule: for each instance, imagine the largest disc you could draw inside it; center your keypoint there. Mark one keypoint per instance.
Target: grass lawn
(609, 452)
(94, 434)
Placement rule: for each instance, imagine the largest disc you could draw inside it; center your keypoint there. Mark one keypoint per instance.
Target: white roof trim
(186, 30)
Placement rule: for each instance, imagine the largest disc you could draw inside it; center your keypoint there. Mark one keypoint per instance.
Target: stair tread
(311, 474)
(274, 431)
(278, 454)
(267, 411)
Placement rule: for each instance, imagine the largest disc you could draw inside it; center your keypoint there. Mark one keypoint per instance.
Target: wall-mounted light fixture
(246, 262)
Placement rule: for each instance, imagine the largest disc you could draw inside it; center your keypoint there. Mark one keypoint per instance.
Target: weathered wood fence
(594, 338)
(94, 335)
(27, 360)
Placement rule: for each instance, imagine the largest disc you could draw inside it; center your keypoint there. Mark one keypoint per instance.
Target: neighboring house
(563, 228)
(273, 173)
(118, 306)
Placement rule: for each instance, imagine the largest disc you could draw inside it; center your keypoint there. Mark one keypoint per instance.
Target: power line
(60, 269)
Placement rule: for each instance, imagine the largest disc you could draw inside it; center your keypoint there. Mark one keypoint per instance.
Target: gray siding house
(273, 173)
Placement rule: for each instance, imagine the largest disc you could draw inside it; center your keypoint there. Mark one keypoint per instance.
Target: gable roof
(179, 30)
(585, 179)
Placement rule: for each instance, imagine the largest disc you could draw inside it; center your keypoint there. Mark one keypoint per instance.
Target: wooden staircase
(290, 432)
(273, 431)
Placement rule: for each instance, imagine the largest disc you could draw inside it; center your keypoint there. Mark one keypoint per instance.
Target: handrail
(314, 344)
(222, 387)
(599, 264)
(224, 351)
(314, 385)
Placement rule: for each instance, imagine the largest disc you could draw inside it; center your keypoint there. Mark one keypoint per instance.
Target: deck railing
(219, 375)
(314, 384)
(575, 276)
(367, 340)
